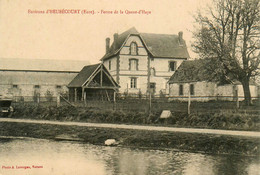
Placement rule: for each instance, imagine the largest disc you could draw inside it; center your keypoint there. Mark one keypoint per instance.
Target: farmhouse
(93, 82)
(143, 62)
(23, 79)
(202, 80)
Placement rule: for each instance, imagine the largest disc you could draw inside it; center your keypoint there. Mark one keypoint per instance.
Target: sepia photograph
(119, 87)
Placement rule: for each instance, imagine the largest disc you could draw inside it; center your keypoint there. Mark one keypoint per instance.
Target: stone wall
(205, 91)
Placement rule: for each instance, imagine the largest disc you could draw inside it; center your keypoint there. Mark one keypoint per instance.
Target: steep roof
(115, 47)
(196, 70)
(35, 77)
(202, 70)
(89, 74)
(83, 75)
(162, 45)
(159, 45)
(41, 64)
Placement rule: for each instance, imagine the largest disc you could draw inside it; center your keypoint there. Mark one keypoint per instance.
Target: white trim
(142, 40)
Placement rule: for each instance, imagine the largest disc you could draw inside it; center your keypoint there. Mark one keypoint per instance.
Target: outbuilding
(93, 82)
(202, 81)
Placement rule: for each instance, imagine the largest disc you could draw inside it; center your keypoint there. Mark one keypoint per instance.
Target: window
(133, 48)
(109, 65)
(36, 86)
(191, 89)
(58, 87)
(172, 65)
(133, 64)
(181, 89)
(15, 86)
(133, 83)
(152, 85)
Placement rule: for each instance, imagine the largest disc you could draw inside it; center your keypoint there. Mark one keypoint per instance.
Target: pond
(26, 156)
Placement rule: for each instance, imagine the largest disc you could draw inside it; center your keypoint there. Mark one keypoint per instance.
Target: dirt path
(140, 127)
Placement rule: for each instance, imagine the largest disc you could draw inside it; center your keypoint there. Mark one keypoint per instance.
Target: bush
(220, 120)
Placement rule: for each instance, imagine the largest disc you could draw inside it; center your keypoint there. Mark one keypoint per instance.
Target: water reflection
(68, 158)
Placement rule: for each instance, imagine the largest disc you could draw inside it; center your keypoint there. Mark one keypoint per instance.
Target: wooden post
(114, 100)
(101, 75)
(148, 83)
(58, 100)
(150, 101)
(82, 94)
(237, 100)
(85, 98)
(189, 101)
(75, 97)
(114, 96)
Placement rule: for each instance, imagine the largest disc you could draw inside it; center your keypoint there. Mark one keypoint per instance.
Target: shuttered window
(172, 65)
(181, 89)
(191, 89)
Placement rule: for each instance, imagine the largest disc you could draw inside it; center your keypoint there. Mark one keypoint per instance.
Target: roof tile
(159, 45)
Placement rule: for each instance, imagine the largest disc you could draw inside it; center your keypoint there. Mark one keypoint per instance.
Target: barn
(26, 79)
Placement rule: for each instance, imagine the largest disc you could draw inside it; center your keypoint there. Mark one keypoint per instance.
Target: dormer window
(133, 49)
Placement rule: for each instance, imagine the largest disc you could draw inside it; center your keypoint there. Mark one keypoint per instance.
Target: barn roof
(159, 45)
(202, 70)
(42, 64)
(194, 70)
(25, 77)
(162, 45)
(83, 75)
(88, 73)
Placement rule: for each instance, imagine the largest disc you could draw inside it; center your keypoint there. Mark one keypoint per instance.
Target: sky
(76, 36)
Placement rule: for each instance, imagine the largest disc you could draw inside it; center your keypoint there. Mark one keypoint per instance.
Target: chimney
(180, 37)
(115, 39)
(107, 44)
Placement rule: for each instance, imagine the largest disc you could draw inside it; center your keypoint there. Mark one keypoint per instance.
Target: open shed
(93, 82)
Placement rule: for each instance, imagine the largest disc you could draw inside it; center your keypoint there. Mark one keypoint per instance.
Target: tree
(230, 31)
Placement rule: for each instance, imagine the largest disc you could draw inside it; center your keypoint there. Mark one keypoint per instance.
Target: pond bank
(193, 142)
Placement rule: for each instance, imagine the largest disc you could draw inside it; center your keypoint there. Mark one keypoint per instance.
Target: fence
(147, 104)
